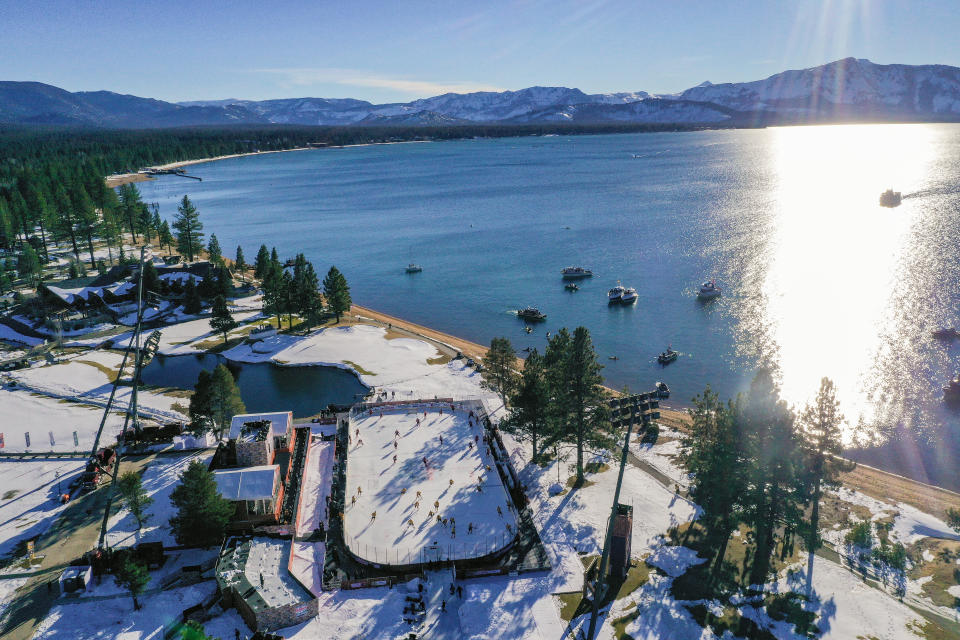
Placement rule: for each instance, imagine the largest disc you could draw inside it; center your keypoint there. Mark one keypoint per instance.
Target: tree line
(558, 397)
(752, 461)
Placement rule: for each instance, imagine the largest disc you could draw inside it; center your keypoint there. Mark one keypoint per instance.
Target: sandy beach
(125, 178)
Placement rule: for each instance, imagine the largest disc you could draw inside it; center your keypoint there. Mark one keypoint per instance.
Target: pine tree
(225, 399)
(588, 407)
(499, 368)
(336, 292)
(275, 257)
(134, 498)
(213, 250)
(712, 453)
(240, 265)
(202, 513)
(306, 292)
(200, 410)
(274, 296)
(28, 265)
(166, 237)
(192, 304)
(768, 427)
(189, 229)
(133, 577)
(222, 321)
(224, 282)
(530, 402)
(145, 222)
(822, 447)
(151, 279)
(130, 207)
(261, 264)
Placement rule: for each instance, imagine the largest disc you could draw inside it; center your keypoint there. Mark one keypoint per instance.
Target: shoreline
(118, 179)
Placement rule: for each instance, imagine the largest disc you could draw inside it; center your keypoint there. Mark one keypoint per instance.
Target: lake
(817, 278)
(264, 387)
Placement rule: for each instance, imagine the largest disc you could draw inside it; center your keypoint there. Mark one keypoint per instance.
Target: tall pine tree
(822, 447)
(336, 292)
(189, 229)
(202, 513)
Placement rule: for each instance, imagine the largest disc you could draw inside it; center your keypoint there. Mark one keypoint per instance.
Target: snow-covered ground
(503, 607)
(456, 462)
(159, 480)
(23, 412)
(11, 335)
(83, 378)
(28, 497)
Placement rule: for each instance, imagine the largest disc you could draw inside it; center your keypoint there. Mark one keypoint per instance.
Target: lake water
(817, 279)
(264, 387)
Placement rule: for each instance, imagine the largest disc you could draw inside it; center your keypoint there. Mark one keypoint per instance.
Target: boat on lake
(708, 291)
(629, 296)
(615, 295)
(951, 392)
(414, 268)
(662, 390)
(575, 273)
(571, 286)
(531, 313)
(891, 198)
(668, 356)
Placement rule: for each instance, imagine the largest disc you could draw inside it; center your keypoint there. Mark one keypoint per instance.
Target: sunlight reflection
(835, 252)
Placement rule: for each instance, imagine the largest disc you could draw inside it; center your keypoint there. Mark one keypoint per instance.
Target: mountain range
(845, 90)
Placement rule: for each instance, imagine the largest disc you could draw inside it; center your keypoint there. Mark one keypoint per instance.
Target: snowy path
(317, 475)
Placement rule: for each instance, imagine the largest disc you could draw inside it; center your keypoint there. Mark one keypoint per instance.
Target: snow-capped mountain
(848, 89)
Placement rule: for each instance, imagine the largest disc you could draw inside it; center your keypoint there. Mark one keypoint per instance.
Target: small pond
(264, 386)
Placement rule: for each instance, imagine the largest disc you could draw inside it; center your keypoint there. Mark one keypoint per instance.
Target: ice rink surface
(453, 447)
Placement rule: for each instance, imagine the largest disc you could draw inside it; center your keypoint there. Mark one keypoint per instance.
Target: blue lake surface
(817, 278)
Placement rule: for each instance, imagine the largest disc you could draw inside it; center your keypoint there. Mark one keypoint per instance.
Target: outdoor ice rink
(378, 483)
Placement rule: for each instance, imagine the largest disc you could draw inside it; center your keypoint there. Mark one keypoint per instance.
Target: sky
(398, 51)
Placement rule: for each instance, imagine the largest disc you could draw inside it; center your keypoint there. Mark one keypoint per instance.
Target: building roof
(279, 422)
(250, 483)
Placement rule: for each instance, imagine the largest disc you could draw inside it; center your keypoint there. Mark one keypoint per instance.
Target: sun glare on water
(834, 256)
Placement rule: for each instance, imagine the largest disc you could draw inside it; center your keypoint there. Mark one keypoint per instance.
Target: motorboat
(575, 273)
(668, 356)
(708, 291)
(616, 294)
(571, 286)
(629, 296)
(891, 198)
(946, 334)
(414, 268)
(662, 390)
(951, 392)
(531, 313)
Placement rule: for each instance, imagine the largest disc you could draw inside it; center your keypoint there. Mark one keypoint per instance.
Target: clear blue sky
(393, 51)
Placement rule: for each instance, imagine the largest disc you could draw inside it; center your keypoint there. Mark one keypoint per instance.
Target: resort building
(256, 492)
